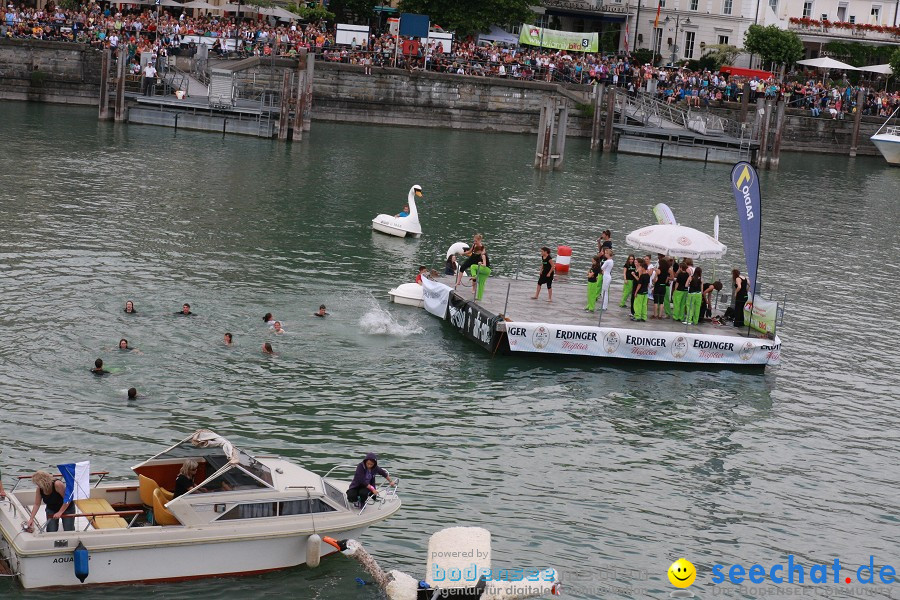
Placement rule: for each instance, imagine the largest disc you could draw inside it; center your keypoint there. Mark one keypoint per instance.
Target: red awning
(745, 72)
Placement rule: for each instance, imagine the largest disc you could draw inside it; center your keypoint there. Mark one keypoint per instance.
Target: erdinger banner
(642, 345)
(436, 296)
(745, 185)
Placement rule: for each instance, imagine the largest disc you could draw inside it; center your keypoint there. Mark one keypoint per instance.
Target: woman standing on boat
(363, 484)
(52, 493)
(740, 296)
(474, 256)
(628, 272)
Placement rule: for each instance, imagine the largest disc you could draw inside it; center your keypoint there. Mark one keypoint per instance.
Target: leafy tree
(642, 56)
(721, 54)
(362, 10)
(316, 13)
(467, 17)
(774, 45)
(895, 62)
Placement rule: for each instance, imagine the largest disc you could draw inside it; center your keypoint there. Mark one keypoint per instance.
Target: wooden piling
(763, 157)
(307, 102)
(300, 89)
(104, 85)
(596, 122)
(121, 65)
(857, 118)
(543, 134)
(561, 135)
(284, 106)
(775, 157)
(610, 118)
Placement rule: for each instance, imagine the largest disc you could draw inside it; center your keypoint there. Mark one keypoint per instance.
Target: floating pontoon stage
(563, 327)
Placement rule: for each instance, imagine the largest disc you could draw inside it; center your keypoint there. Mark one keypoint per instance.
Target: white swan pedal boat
(258, 514)
(402, 226)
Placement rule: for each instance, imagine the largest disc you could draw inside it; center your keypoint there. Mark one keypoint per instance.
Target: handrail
(888, 120)
(19, 478)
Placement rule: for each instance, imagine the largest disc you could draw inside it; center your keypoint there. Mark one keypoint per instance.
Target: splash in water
(378, 321)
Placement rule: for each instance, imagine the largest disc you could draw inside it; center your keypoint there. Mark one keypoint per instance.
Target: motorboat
(458, 566)
(402, 226)
(409, 294)
(245, 515)
(887, 140)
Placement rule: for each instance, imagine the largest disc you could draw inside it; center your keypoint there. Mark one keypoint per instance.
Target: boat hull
(165, 561)
(397, 226)
(889, 146)
(409, 294)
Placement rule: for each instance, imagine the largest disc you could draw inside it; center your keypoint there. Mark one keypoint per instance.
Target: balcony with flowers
(844, 30)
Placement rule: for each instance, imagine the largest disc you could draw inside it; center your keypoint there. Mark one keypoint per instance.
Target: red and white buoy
(563, 259)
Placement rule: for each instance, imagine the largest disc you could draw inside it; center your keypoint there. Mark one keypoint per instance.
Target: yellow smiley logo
(682, 573)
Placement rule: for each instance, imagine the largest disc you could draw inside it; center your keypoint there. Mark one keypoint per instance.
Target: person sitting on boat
(404, 212)
(363, 484)
(421, 274)
(52, 493)
(185, 480)
(450, 266)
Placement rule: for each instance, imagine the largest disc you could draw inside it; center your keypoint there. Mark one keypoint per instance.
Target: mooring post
(542, 133)
(104, 85)
(308, 101)
(760, 127)
(857, 118)
(596, 122)
(120, 83)
(561, 135)
(285, 106)
(745, 102)
(775, 157)
(297, 134)
(610, 118)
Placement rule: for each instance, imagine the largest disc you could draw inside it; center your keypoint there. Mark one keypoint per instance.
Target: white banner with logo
(764, 314)
(436, 296)
(642, 345)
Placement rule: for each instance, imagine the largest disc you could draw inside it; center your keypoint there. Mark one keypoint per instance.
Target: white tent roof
(883, 69)
(281, 13)
(497, 34)
(676, 240)
(201, 4)
(826, 63)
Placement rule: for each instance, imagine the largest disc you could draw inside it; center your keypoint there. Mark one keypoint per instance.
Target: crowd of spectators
(142, 30)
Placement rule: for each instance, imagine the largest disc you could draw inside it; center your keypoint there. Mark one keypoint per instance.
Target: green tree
(774, 45)
(467, 17)
(361, 10)
(895, 62)
(721, 54)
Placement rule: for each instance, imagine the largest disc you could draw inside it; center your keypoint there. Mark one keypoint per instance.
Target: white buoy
(313, 550)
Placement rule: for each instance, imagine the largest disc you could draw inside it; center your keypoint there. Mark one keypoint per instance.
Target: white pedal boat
(259, 514)
(402, 226)
(409, 294)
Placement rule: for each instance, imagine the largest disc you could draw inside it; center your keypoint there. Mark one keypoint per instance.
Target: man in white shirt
(149, 78)
(606, 269)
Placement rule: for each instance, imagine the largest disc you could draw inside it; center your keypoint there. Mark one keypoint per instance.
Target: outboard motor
(81, 559)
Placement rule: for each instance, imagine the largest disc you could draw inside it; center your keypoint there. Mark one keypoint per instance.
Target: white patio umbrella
(280, 13)
(245, 8)
(883, 69)
(202, 5)
(827, 63)
(676, 240)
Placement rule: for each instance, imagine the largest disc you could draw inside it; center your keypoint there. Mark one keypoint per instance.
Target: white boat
(887, 140)
(256, 514)
(402, 226)
(409, 294)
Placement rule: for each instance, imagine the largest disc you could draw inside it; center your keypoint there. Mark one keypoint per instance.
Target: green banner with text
(572, 41)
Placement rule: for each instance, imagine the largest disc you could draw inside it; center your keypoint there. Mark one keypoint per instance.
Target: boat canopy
(219, 457)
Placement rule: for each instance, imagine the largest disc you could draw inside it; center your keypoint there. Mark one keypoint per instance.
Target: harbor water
(607, 473)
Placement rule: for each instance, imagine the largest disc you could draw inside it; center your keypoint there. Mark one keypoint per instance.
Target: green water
(579, 466)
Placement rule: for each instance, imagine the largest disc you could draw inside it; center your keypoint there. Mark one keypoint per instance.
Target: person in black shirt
(641, 286)
(706, 295)
(98, 369)
(185, 480)
(741, 285)
(679, 296)
(129, 307)
(695, 287)
(52, 493)
(545, 276)
(628, 282)
(185, 310)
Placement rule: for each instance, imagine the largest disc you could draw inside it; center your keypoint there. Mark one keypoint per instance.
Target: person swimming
(321, 312)
(267, 348)
(268, 320)
(229, 340)
(98, 369)
(277, 328)
(123, 346)
(129, 307)
(185, 310)
(132, 393)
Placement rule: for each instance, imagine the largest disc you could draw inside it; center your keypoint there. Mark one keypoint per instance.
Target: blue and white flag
(745, 185)
(78, 480)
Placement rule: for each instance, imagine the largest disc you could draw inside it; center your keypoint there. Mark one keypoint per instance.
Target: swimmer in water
(98, 369)
(268, 320)
(267, 348)
(123, 346)
(321, 312)
(132, 393)
(129, 307)
(277, 328)
(229, 340)
(185, 310)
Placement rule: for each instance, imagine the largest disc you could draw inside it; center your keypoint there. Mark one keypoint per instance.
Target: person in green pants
(695, 287)
(480, 273)
(679, 296)
(669, 275)
(628, 277)
(641, 288)
(595, 282)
